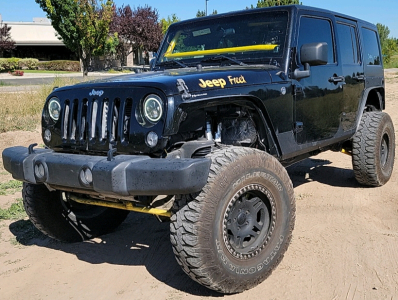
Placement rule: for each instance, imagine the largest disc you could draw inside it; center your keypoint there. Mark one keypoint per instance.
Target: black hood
(197, 81)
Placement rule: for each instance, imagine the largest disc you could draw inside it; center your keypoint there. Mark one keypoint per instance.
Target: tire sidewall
(385, 128)
(239, 175)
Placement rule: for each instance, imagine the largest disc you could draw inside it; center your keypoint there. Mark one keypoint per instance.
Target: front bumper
(123, 175)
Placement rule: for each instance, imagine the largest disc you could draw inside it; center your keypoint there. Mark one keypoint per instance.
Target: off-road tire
(373, 149)
(67, 221)
(234, 232)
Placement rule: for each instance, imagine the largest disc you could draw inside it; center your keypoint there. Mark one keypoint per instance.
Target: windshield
(256, 38)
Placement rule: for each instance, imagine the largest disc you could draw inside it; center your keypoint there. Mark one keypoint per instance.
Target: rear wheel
(231, 235)
(62, 219)
(373, 149)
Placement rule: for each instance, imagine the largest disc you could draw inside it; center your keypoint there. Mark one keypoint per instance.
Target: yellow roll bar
(126, 205)
(168, 54)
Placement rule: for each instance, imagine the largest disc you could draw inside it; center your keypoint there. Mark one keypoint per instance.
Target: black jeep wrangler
(204, 137)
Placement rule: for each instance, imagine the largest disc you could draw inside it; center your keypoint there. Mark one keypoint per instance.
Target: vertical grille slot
(81, 121)
(114, 110)
(93, 113)
(103, 128)
(73, 120)
(124, 125)
(65, 120)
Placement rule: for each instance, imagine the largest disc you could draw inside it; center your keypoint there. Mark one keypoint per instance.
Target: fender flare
(364, 101)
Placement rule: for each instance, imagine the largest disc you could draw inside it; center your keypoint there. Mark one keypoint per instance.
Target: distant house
(37, 39)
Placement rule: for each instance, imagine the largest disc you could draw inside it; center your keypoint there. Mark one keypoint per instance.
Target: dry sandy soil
(344, 245)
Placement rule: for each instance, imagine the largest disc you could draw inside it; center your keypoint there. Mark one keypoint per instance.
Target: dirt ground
(344, 244)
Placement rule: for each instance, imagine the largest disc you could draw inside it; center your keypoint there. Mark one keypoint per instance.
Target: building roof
(37, 33)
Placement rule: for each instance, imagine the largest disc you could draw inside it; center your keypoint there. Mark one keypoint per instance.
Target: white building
(37, 39)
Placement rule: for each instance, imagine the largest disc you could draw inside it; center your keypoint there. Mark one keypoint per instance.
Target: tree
(388, 45)
(268, 3)
(121, 23)
(165, 23)
(6, 42)
(83, 25)
(138, 29)
(384, 32)
(202, 13)
(147, 30)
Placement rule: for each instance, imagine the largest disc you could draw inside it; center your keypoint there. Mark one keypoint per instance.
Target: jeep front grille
(96, 121)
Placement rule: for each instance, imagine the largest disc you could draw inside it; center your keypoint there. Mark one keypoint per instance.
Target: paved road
(28, 81)
(46, 78)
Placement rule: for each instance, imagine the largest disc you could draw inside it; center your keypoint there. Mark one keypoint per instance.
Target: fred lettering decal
(221, 82)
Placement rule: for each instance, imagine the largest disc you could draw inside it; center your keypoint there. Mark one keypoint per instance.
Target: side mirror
(313, 54)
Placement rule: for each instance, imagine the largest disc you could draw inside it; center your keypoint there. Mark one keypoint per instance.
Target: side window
(314, 30)
(371, 51)
(348, 44)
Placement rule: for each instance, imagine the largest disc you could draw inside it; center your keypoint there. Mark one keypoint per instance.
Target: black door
(318, 97)
(353, 69)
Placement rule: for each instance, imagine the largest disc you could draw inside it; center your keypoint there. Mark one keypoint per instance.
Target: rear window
(372, 55)
(348, 44)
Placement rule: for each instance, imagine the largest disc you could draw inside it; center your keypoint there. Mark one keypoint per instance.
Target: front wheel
(373, 149)
(232, 234)
(54, 214)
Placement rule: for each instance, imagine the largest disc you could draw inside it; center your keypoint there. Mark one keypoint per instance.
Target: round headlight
(153, 108)
(54, 108)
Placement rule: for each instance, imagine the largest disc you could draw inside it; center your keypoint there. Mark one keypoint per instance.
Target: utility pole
(206, 6)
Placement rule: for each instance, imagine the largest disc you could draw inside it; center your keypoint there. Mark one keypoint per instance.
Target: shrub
(28, 63)
(59, 65)
(9, 64)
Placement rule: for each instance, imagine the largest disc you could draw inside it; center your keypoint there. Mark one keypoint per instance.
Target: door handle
(336, 79)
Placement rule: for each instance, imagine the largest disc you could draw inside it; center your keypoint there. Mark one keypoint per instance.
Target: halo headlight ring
(152, 108)
(54, 108)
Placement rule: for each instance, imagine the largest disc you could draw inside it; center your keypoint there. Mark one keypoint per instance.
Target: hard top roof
(291, 8)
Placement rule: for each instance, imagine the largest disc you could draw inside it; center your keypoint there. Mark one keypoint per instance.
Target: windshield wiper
(172, 63)
(223, 58)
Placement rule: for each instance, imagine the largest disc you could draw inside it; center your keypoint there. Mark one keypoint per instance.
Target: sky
(384, 12)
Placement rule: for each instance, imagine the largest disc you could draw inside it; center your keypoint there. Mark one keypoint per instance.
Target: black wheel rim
(384, 151)
(248, 221)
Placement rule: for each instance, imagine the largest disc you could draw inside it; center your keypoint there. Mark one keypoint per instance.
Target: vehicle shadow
(320, 170)
(140, 241)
